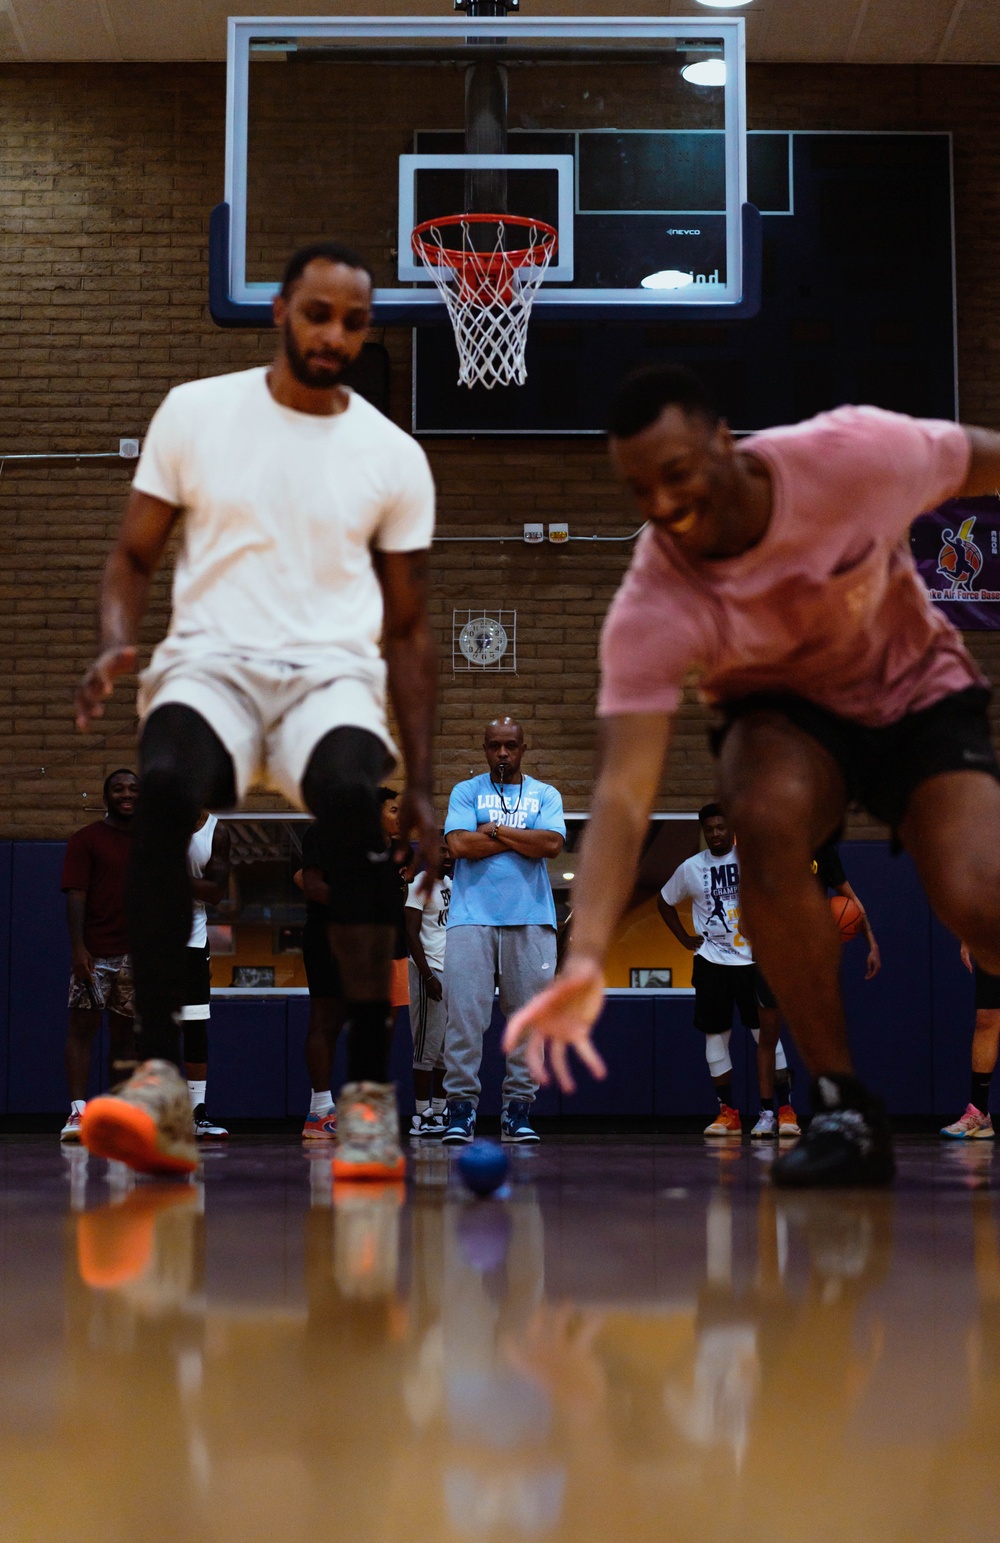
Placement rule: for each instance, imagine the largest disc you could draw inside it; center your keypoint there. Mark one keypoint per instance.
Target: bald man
(501, 828)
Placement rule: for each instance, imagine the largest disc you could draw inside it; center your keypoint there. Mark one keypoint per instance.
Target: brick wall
(107, 177)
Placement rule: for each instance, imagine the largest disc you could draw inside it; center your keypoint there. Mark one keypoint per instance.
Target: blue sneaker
(461, 1122)
(515, 1122)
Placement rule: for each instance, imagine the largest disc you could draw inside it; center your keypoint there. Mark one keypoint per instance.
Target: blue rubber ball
(483, 1167)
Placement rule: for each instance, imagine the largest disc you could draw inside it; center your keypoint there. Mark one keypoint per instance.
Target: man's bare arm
(984, 465)
(214, 882)
(669, 916)
(411, 665)
(314, 886)
(473, 845)
(530, 843)
(633, 749)
(76, 911)
(874, 963)
(128, 573)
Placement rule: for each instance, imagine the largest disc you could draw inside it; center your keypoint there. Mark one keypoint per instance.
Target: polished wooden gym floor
(643, 1340)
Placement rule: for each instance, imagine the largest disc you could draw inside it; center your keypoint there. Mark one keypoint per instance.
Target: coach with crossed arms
(501, 827)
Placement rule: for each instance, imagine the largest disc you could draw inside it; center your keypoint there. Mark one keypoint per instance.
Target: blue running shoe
(461, 1122)
(515, 1122)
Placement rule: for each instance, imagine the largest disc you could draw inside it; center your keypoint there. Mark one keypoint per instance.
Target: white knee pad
(780, 1063)
(717, 1054)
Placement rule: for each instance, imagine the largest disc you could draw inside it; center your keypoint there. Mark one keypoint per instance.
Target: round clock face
(483, 641)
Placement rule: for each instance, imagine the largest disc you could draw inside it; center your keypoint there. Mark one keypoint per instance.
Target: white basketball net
(489, 293)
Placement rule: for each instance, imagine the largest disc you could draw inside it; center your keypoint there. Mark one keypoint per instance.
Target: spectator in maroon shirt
(93, 882)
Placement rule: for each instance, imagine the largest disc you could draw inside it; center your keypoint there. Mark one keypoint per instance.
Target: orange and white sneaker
(368, 1133)
(788, 1123)
(146, 1124)
(320, 1127)
(726, 1123)
(116, 1243)
(366, 1239)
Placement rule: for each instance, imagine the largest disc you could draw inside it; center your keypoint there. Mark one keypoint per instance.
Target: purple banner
(957, 550)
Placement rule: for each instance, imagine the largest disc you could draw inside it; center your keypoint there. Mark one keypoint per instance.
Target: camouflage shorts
(112, 987)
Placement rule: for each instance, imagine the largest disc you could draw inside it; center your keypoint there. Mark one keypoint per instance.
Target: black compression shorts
(987, 991)
(718, 988)
(882, 767)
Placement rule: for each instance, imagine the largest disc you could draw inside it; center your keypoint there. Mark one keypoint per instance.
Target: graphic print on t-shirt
(434, 918)
(713, 886)
(505, 889)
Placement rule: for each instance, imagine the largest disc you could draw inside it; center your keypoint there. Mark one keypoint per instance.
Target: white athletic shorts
(269, 713)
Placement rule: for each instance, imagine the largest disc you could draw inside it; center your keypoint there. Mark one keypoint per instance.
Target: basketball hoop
(488, 289)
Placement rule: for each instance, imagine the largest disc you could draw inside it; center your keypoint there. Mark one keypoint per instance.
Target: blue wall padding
(911, 1028)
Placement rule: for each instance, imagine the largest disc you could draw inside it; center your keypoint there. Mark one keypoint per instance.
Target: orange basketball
(848, 916)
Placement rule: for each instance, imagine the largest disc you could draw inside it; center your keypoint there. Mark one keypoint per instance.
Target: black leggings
(185, 768)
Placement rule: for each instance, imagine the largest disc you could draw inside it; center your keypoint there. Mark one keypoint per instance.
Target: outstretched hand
(558, 1017)
(418, 822)
(99, 682)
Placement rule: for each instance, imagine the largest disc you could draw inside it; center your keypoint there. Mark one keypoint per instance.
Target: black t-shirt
(828, 868)
(318, 916)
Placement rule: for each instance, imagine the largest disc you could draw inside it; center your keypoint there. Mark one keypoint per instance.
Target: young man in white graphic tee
(208, 866)
(426, 935)
(724, 976)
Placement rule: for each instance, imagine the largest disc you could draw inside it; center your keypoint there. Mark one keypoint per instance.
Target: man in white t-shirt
(723, 972)
(426, 931)
(307, 517)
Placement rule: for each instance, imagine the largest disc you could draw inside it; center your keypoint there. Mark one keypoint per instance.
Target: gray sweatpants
(520, 960)
(427, 1021)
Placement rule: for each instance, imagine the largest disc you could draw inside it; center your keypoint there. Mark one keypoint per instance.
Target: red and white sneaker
(320, 1127)
(726, 1123)
(973, 1125)
(71, 1130)
(788, 1123)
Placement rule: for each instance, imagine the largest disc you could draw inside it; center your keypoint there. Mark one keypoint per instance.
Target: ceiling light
(667, 278)
(569, 875)
(724, 5)
(706, 72)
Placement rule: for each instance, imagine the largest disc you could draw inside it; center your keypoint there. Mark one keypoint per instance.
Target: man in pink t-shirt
(777, 574)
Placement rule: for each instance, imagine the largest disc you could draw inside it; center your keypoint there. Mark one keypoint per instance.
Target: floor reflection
(643, 1340)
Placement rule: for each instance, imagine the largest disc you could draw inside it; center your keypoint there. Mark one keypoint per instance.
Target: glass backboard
(626, 134)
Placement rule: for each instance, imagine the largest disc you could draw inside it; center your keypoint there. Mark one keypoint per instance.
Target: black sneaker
(461, 1122)
(515, 1122)
(848, 1143)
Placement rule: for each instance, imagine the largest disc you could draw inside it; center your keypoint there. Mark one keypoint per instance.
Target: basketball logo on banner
(960, 561)
(957, 552)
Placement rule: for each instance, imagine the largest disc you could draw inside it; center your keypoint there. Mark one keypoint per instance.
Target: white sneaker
(71, 1130)
(767, 1124)
(428, 1126)
(206, 1129)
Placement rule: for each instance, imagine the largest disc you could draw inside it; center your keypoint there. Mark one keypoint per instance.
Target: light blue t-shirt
(507, 890)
